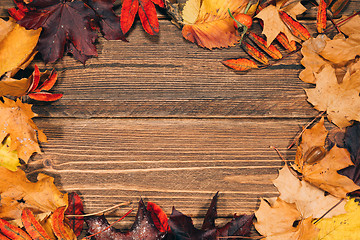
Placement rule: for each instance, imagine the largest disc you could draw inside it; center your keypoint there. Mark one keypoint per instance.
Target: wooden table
(160, 118)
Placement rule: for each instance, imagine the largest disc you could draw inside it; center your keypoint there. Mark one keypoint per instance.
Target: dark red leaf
(158, 216)
(128, 12)
(49, 82)
(108, 21)
(44, 96)
(143, 227)
(211, 214)
(75, 207)
(182, 226)
(63, 22)
(19, 12)
(352, 144)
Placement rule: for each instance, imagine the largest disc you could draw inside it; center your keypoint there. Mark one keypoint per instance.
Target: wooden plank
(173, 162)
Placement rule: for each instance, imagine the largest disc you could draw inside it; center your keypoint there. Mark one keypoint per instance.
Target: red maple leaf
(147, 14)
(68, 26)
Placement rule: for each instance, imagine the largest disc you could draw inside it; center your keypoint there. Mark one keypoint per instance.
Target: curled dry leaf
(209, 24)
(323, 173)
(335, 69)
(17, 193)
(16, 46)
(17, 123)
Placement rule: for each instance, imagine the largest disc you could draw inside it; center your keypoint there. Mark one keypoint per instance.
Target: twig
(304, 128)
(102, 211)
(89, 237)
(280, 155)
(328, 211)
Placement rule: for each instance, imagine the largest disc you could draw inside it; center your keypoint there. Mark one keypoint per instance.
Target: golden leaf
(16, 46)
(213, 27)
(17, 193)
(8, 158)
(16, 122)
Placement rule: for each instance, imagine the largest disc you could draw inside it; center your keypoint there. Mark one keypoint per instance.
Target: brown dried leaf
(323, 173)
(17, 193)
(16, 46)
(17, 122)
(213, 27)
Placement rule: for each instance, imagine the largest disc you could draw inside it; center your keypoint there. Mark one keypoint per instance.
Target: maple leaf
(333, 66)
(183, 228)
(16, 46)
(143, 227)
(273, 25)
(17, 193)
(16, 122)
(209, 24)
(8, 157)
(344, 226)
(146, 11)
(323, 173)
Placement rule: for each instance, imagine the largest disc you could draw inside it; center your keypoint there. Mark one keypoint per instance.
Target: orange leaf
(283, 40)
(296, 28)
(57, 223)
(12, 231)
(44, 96)
(261, 43)
(50, 82)
(128, 12)
(338, 6)
(3, 237)
(32, 226)
(254, 53)
(321, 17)
(241, 64)
(36, 79)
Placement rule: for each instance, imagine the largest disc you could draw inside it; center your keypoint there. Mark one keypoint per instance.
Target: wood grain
(173, 162)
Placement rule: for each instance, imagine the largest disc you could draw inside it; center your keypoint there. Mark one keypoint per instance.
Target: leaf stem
(100, 212)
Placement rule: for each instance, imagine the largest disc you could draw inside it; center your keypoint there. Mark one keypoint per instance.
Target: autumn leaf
(158, 216)
(17, 193)
(14, 87)
(17, 122)
(333, 66)
(32, 226)
(60, 35)
(60, 229)
(278, 220)
(209, 24)
(16, 46)
(344, 226)
(274, 25)
(323, 172)
(75, 207)
(8, 158)
(183, 228)
(143, 227)
(146, 11)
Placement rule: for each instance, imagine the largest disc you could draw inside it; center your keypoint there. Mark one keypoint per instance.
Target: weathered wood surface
(161, 118)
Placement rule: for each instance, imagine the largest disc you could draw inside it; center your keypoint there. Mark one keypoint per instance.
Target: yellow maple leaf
(16, 122)
(16, 46)
(344, 226)
(209, 24)
(17, 193)
(8, 158)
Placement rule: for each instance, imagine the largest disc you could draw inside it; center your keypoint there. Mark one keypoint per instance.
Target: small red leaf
(46, 97)
(75, 207)
(271, 50)
(321, 17)
(12, 231)
(57, 223)
(128, 12)
(32, 226)
(296, 28)
(36, 79)
(148, 17)
(48, 83)
(158, 216)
